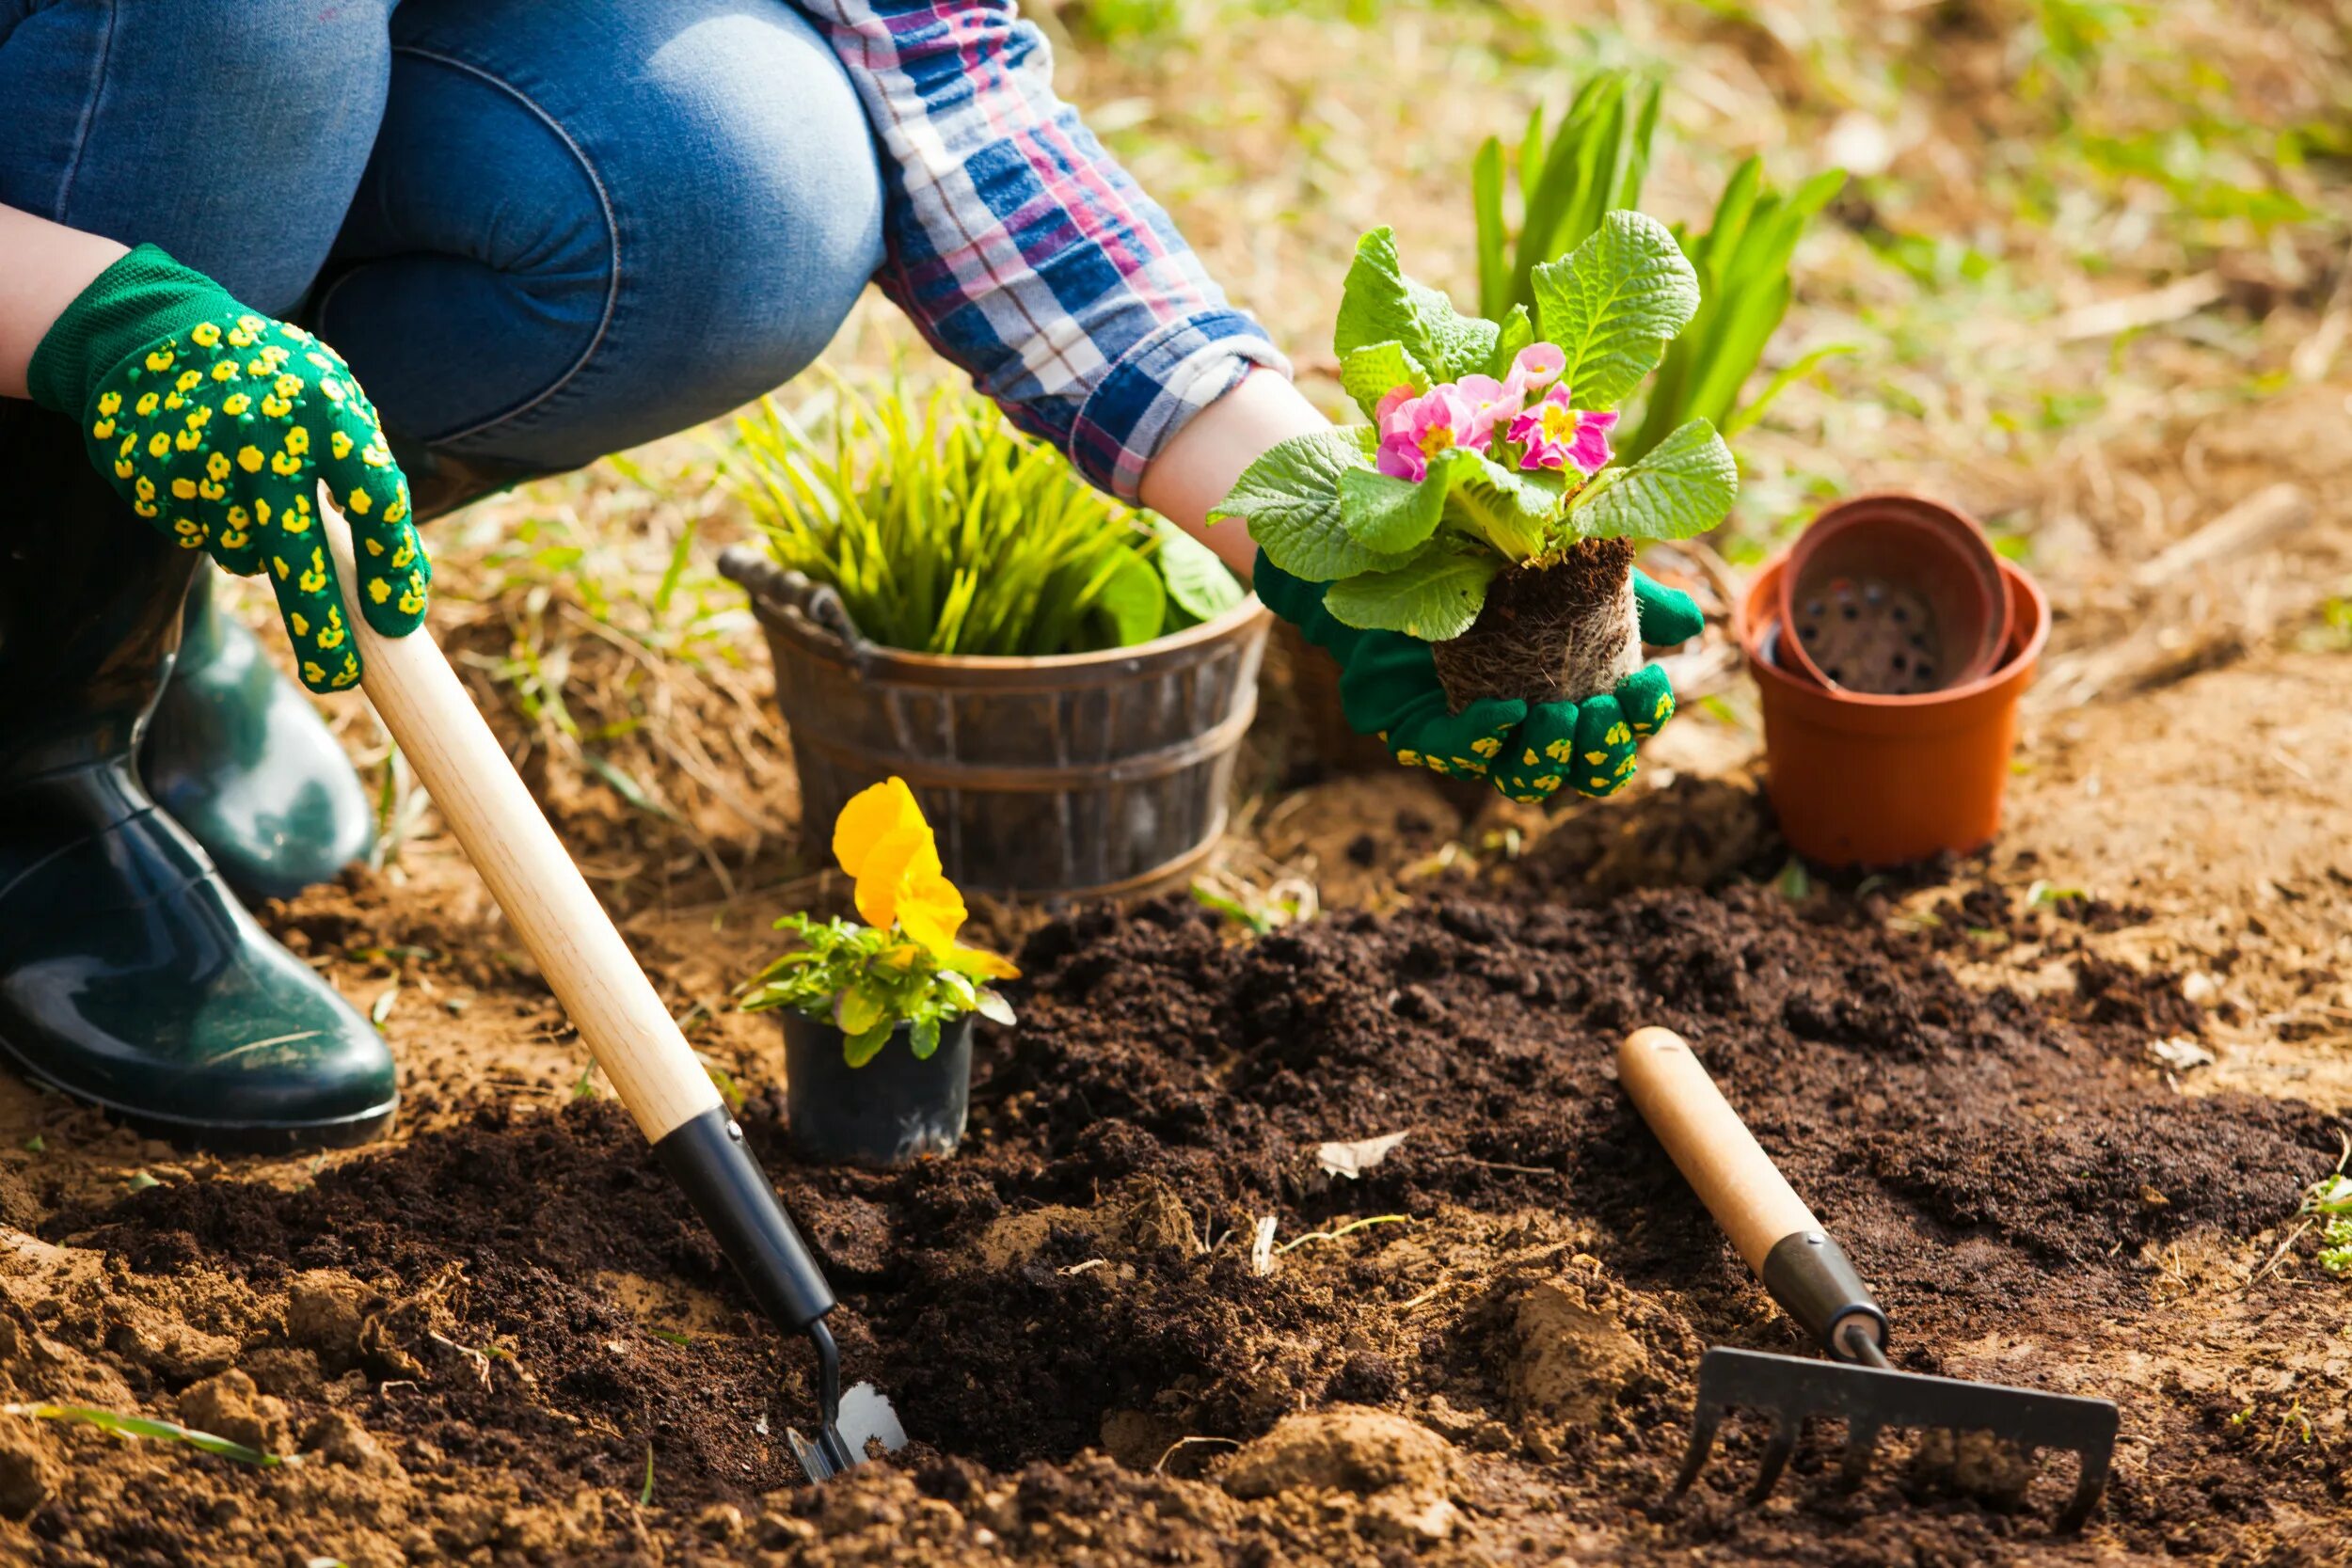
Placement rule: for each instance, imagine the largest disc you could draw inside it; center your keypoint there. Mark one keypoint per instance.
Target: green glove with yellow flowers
(216, 424)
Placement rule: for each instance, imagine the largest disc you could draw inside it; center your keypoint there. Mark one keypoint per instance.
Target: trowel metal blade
(865, 1418)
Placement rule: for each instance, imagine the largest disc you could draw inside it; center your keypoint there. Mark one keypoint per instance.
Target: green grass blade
(148, 1427)
(1494, 264)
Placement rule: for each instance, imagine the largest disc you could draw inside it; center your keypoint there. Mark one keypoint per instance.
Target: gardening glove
(1389, 686)
(216, 424)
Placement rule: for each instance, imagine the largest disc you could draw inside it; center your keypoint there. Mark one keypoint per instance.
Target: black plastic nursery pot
(1081, 774)
(893, 1111)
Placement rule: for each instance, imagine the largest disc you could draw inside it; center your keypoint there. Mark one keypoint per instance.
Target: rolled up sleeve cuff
(1156, 387)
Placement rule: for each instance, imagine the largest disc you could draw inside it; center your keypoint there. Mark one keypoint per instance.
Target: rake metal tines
(1869, 1398)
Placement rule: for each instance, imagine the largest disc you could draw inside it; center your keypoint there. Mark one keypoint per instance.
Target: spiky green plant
(1593, 165)
(947, 532)
(1596, 162)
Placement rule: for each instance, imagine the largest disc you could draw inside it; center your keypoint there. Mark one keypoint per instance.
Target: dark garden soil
(492, 1340)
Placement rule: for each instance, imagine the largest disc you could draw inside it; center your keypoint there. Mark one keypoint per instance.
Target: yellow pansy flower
(882, 841)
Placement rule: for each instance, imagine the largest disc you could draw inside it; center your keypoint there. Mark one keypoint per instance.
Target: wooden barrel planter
(1080, 773)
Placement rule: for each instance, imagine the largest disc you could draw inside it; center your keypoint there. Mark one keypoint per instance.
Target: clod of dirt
(231, 1406)
(1976, 1462)
(325, 1311)
(1142, 1215)
(1571, 1360)
(28, 1471)
(1139, 1439)
(176, 1352)
(338, 1439)
(1402, 1469)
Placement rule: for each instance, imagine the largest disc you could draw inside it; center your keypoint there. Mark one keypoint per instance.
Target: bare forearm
(43, 265)
(1192, 472)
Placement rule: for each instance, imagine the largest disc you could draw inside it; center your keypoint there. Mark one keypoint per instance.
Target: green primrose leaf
(1433, 599)
(994, 1008)
(1290, 498)
(1197, 582)
(1684, 486)
(924, 1037)
(1395, 516)
(1508, 508)
(1459, 345)
(1371, 373)
(1613, 304)
(1516, 332)
(1375, 305)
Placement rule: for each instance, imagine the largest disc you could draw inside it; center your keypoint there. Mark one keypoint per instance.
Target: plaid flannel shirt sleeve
(1025, 253)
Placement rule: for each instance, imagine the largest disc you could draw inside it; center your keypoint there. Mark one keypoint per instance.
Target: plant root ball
(1555, 634)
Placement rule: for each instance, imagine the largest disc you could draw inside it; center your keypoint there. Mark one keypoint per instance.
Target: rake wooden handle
(1711, 1145)
(587, 965)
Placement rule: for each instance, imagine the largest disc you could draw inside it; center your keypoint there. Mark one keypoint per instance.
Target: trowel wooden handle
(1711, 1145)
(546, 899)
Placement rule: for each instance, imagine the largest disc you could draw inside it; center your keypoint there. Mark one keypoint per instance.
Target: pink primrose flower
(1557, 435)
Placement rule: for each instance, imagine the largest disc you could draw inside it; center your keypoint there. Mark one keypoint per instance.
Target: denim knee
(232, 135)
(684, 245)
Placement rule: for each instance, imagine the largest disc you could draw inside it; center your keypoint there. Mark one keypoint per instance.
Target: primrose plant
(1481, 511)
(904, 965)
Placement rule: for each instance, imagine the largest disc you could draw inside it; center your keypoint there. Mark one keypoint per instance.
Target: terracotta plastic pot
(893, 1111)
(1858, 779)
(1896, 594)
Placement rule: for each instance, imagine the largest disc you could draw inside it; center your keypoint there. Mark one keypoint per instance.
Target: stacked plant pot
(1890, 648)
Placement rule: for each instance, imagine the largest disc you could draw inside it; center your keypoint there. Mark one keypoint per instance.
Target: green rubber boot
(240, 757)
(129, 976)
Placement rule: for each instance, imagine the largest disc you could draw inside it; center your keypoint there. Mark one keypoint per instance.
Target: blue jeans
(540, 230)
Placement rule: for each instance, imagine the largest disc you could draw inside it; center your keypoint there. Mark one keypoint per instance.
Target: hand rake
(1808, 1273)
(615, 1009)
